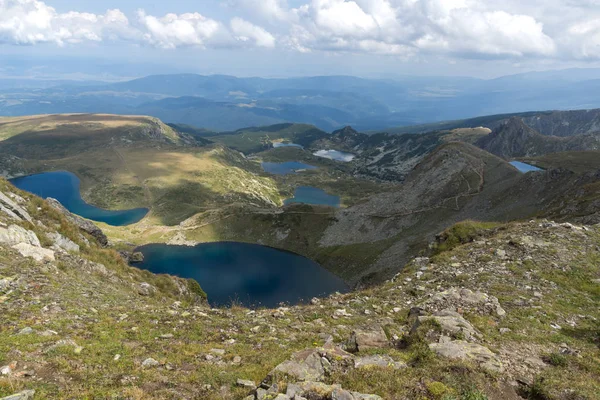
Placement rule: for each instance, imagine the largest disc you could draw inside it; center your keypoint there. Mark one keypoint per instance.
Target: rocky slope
(566, 123)
(494, 312)
(515, 138)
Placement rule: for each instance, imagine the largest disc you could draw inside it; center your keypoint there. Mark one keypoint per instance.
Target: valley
(361, 218)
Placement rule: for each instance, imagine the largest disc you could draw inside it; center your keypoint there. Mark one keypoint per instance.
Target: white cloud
(29, 22)
(246, 32)
(172, 30)
(460, 27)
(510, 29)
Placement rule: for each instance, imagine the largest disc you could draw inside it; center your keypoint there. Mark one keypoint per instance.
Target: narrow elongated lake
(523, 167)
(249, 274)
(313, 195)
(284, 168)
(65, 187)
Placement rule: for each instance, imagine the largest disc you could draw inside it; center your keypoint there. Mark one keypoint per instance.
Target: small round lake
(313, 195)
(284, 168)
(64, 187)
(524, 168)
(335, 155)
(250, 274)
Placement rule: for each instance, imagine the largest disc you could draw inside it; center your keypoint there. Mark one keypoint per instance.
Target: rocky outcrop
(63, 243)
(83, 224)
(365, 339)
(15, 234)
(459, 349)
(25, 242)
(37, 253)
(12, 209)
(450, 323)
(465, 300)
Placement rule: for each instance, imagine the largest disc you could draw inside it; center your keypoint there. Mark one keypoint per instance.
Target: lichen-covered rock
(450, 323)
(37, 253)
(466, 300)
(305, 365)
(12, 209)
(462, 350)
(15, 234)
(379, 361)
(370, 338)
(146, 289)
(61, 242)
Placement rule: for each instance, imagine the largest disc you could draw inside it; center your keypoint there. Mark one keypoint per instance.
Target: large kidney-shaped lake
(249, 274)
(64, 187)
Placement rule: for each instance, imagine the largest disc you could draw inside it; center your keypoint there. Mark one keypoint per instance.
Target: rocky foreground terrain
(488, 312)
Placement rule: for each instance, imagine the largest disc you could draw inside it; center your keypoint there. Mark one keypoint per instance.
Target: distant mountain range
(224, 103)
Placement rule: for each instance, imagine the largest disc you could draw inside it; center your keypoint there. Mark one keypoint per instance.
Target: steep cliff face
(566, 123)
(514, 138)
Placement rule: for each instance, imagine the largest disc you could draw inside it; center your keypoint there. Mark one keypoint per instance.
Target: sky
(278, 38)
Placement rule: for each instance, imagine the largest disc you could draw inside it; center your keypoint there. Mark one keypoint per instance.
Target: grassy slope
(105, 316)
(576, 161)
(126, 162)
(251, 140)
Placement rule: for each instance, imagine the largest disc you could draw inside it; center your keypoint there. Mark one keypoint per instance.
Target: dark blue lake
(524, 167)
(64, 187)
(335, 155)
(284, 168)
(250, 274)
(312, 195)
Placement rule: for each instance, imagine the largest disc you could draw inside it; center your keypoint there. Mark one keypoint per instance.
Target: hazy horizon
(279, 38)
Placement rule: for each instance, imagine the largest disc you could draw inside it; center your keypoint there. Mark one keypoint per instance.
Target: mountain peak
(346, 131)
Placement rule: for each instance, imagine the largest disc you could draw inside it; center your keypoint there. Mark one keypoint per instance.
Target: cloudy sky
(305, 37)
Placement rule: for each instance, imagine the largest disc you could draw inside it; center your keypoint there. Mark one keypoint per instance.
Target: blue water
(285, 168)
(64, 187)
(279, 144)
(250, 274)
(524, 167)
(312, 195)
(335, 155)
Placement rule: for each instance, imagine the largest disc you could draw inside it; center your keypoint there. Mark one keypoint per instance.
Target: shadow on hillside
(591, 335)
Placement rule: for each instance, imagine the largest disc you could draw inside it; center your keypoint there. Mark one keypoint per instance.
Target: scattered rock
(341, 313)
(451, 323)
(305, 365)
(24, 395)
(150, 363)
(61, 242)
(246, 384)
(6, 370)
(12, 209)
(146, 289)
(464, 299)
(136, 257)
(460, 349)
(371, 338)
(39, 254)
(15, 234)
(381, 361)
(26, 331)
